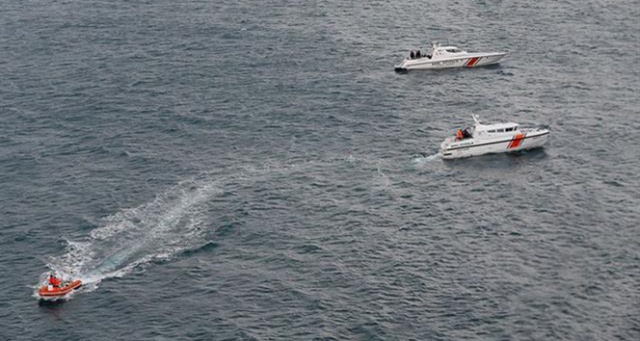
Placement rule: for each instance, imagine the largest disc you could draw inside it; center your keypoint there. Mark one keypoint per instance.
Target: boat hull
(469, 61)
(47, 292)
(470, 147)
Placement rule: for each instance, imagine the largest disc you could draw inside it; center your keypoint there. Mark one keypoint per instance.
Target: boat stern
(444, 148)
(402, 67)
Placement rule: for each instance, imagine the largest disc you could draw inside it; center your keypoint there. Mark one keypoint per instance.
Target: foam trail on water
(173, 222)
(420, 160)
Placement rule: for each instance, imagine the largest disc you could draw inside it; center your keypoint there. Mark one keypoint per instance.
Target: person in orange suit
(54, 281)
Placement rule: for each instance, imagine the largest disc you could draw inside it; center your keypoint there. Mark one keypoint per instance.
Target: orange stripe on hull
(516, 142)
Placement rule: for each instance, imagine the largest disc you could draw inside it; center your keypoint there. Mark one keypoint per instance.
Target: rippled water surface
(255, 170)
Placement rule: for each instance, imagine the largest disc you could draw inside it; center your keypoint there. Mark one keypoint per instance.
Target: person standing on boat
(459, 134)
(411, 54)
(54, 281)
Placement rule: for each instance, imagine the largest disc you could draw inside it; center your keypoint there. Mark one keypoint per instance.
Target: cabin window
(491, 131)
(452, 50)
(501, 130)
(509, 129)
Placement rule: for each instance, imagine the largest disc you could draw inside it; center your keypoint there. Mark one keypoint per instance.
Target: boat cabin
(437, 51)
(494, 129)
(441, 51)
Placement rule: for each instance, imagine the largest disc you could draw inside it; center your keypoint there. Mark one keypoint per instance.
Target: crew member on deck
(459, 134)
(54, 281)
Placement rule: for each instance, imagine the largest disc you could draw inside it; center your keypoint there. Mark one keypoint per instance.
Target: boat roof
(448, 47)
(501, 125)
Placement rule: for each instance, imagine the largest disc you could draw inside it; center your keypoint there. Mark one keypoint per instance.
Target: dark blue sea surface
(255, 170)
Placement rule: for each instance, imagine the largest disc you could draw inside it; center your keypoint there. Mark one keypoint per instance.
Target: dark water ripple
(251, 170)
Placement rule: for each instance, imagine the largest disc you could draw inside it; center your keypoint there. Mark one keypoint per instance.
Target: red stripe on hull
(516, 142)
(472, 62)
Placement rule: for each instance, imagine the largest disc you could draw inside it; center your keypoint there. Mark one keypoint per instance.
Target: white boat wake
(421, 160)
(172, 223)
(175, 222)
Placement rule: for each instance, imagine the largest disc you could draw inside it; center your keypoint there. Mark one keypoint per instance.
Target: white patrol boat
(443, 57)
(492, 138)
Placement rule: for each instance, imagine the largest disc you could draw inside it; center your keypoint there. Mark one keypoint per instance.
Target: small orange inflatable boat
(49, 291)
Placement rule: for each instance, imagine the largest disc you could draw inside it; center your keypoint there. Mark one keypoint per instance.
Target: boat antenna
(476, 118)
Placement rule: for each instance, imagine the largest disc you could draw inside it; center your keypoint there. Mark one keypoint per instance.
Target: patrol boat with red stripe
(492, 138)
(443, 57)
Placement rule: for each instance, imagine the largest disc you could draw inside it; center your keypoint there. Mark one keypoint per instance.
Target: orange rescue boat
(49, 291)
